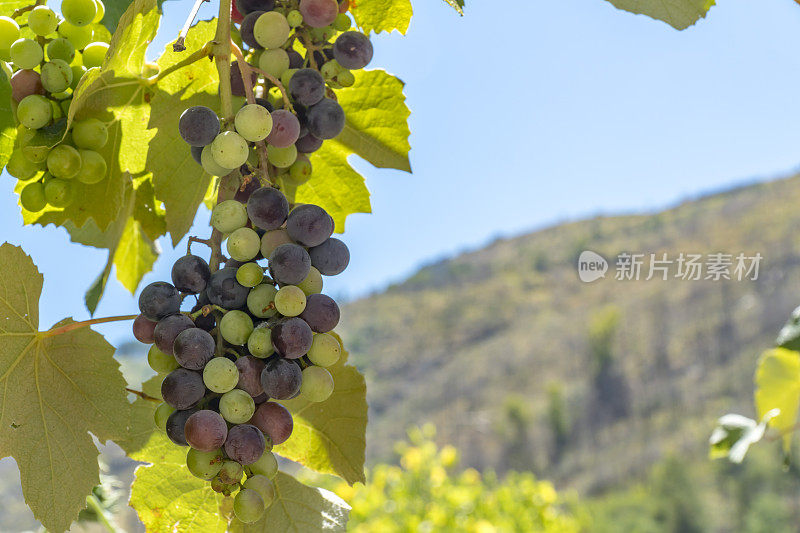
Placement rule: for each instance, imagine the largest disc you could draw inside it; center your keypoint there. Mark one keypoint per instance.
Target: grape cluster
(309, 48)
(256, 333)
(45, 60)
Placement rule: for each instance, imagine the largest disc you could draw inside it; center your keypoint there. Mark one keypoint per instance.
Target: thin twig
(192, 239)
(143, 395)
(85, 323)
(178, 45)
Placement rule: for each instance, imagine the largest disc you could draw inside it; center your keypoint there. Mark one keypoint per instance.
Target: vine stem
(94, 503)
(86, 323)
(143, 395)
(269, 77)
(178, 45)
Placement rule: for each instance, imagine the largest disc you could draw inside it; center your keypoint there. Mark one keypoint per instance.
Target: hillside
(505, 350)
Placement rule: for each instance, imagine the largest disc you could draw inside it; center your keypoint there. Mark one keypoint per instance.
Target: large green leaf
(680, 14)
(299, 508)
(7, 7)
(778, 387)
(57, 387)
(382, 15)
(115, 10)
(8, 130)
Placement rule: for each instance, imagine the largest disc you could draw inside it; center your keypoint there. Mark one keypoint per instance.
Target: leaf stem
(95, 505)
(178, 45)
(195, 56)
(143, 395)
(85, 323)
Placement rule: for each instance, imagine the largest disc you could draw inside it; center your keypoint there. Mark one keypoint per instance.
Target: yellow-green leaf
(458, 5)
(680, 14)
(382, 15)
(778, 387)
(8, 130)
(57, 387)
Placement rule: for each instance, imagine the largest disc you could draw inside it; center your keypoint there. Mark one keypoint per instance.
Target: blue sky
(524, 117)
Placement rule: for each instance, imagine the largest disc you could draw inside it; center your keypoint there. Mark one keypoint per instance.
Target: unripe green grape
(79, 36)
(230, 150)
(56, 76)
(162, 414)
(248, 506)
(286, 77)
(259, 344)
(161, 362)
(77, 73)
(243, 244)
(101, 11)
(21, 167)
(271, 30)
(235, 327)
(253, 122)
(93, 168)
(259, 300)
(36, 154)
(313, 282)
(346, 78)
(325, 350)
(290, 300)
(228, 216)
(42, 20)
(342, 22)
(34, 111)
(32, 197)
(79, 12)
(294, 18)
(330, 69)
(90, 134)
(64, 161)
(322, 34)
(237, 406)
(231, 472)
(9, 32)
(272, 239)
(274, 62)
(204, 465)
(210, 165)
(300, 171)
(58, 192)
(317, 384)
(26, 53)
(282, 157)
(220, 375)
(263, 486)
(65, 105)
(249, 274)
(60, 48)
(266, 465)
(94, 54)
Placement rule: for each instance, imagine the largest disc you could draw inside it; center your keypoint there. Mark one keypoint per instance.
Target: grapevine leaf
(8, 130)
(58, 386)
(167, 497)
(140, 418)
(330, 436)
(179, 181)
(458, 5)
(680, 14)
(778, 387)
(299, 508)
(7, 7)
(114, 10)
(382, 15)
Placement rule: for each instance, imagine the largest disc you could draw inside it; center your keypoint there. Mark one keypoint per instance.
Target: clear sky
(523, 117)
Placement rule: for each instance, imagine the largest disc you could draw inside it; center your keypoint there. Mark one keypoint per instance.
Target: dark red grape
(245, 444)
(268, 208)
(194, 348)
(308, 144)
(321, 313)
(183, 389)
(307, 87)
(143, 329)
(244, 193)
(25, 83)
(176, 424)
(250, 369)
(275, 421)
(159, 300)
(285, 129)
(223, 289)
(246, 7)
(309, 225)
(237, 81)
(289, 264)
(326, 119)
(205, 431)
(331, 257)
(197, 153)
(319, 13)
(353, 50)
(281, 379)
(292, 338)
(199, 125)
(261, 398)
(168, 329)
(190, 274)
(295, 59)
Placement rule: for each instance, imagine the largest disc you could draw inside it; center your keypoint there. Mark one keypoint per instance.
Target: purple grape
(176, 425)
(246, 7)
(237, 81)
(194, 348)
(292, 338)
(309, 225)
(143, 329)
(223, 289)
(25, 83)
(326, 119)
(295, 59)
(353, 50)
(168, 329)
(319, 13)
(308, 144)
(250, 369)
(307, 87)
(183, 389)
(321, 313)
(159, 300)
(205, 431)
(246, 29)
(285, 129)
(268, 208)
(245, 444)
(331, 257)
(275, 421)
(289, 264)
(199, 125)
(190, 274)
(281, 379)
(243, 194)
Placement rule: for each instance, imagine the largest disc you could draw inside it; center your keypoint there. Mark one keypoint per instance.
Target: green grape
(342, 22)
(9, 32)
(21, 167)
(100, 34)
(228, 216)
(235, 327)
(330, 69)
(42, 20)
(64, 161)
(271, 30)
(266, 465)
(325, 350)
(272, 239)
(317, 384)
(286, 77)
(274, 62)
(79, 36)
(79, 12)
(253, 122)
(161, 362)
(58, 192)
(162, 414)
(313, 282)
(248, 506)
(260, 342)
(93, 168)
(237, 406)
(90, 134)
(210, 165)
(32, 197)
(34, 111)
(36, 154)
(77, 73)
(300, 171)
(229, 150)
(346, 78)
(263, 486)
(56, 76)
(243, 244)
(60, 48)
(294, 18)
(282, 157)
(101, 11)
(290, 300)
(231, 472)
(26, 53)
(204, 465)
(94, 54)
(249, 274)
(65, 105)
(220, 375)
(260, 301)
